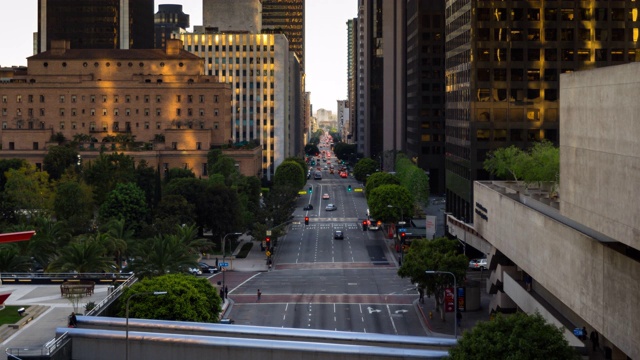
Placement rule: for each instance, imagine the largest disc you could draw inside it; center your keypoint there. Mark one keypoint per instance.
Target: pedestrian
(216, 262)
(226, 292)
(459, 318)
(528, 281)
(73, 321)
(584, 333)
(421, 293)
(259, 294)
(595, 340)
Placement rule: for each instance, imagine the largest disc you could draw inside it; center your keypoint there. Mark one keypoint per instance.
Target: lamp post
(154, 293)
(455, 298)
(224, 255)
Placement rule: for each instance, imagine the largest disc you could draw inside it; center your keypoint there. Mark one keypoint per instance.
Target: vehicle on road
(478, 264)
(374, 225)
(331, 207)
(308, 207)
(194, 271)
(338, 235)
(227, 321)
(317, 175)
(343, 175)
(325, 196)
(206, 268)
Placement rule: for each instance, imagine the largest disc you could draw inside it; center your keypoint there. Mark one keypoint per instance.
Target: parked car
(194, 271)
(325, 196)
(331, 207)
(227, 321)
(308, 207)
(206, 268)
(478, 264)
(338, 235)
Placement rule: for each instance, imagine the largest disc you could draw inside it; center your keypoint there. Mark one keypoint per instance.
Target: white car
(478, 264)
(325, 196)
(195, 271)
(331, 207)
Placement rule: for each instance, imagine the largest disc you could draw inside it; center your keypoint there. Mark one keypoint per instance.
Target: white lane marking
(393, 323)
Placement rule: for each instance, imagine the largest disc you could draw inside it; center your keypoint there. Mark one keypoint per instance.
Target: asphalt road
(319, 282)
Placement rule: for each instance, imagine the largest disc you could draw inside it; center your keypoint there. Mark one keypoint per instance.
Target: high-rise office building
(425, 89)
(96, 24)
(169, 23)
(352, 56)
(503, 65)
(286, 17)
(232, 16)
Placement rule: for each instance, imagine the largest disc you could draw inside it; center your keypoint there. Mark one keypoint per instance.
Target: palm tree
(50, 236)
(122, 238)
(187, 235)
(161, 255)
(12, 261)
(83, 255)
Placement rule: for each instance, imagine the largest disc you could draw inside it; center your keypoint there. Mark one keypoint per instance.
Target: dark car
(206, 268)
(308, 207)
(338, 235)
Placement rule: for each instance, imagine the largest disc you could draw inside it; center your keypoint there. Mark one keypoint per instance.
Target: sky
(325, 43)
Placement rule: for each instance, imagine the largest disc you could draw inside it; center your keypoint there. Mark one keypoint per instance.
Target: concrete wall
(600, 151)
(233, 15)
(599, 284)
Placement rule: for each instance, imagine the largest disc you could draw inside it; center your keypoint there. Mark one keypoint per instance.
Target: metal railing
(45, 350)
(112, 296)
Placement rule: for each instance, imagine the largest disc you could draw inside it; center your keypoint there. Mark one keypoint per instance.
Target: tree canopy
(58, 159)
(440, 254)
(126, 201)
(395, 195)
(364, 167)
(413, 178)
(29, 190)
(187, 299)
(290, 174)
(516, 336)
(541, 163)
(311, 149)
(378, 179)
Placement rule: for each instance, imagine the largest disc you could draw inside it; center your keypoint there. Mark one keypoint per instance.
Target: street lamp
(224, 255)
(455, 298)
(154, 293)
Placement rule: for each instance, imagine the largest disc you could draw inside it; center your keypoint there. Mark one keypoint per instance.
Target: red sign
(449, 301)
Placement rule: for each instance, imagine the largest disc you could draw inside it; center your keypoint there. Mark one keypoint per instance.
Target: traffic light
(310, 190)
(403, 237)
(364, 225)
(268, 241)
(349, 188)
(306, 220)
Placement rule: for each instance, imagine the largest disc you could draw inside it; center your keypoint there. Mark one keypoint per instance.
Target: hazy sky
(325, 54)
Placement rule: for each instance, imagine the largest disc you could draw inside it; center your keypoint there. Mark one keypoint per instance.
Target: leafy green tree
(122, 236)
(177, 173)
(290, 174)
(29, 190)
(279, 203)
(344, 151)
(83, 255)
(148, 179)
(7, 164)
(12, 261)
(161, 255)
(126, 201)
(187, 299)
(226, 166)
(364, 167)
(516, 336)
(413, 178)
(380, 178)
(300, 161)
(505, 163)
(311, 149)
(543, 163)
(106, 171)
(173, 210)
(397, 196)
(58, 159)
(73, 203)
(440, 254)
(222, 210)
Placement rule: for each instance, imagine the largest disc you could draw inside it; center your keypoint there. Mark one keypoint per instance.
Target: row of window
(116, 112)
(553, 14)
(554, 34)
(105, 126)
(230, 48)
(501, 54)
(116, 98)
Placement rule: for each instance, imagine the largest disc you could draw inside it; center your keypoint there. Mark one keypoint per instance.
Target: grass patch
(10, 314)
(245, 250)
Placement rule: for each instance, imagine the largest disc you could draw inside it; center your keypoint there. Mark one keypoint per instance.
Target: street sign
(402, 230)
(223, 264)
(268, 232)
(357, 190)
(268, 253)
(302, 192)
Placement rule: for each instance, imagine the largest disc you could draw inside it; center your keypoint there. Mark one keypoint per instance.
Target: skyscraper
(286, 17)
(169, 20)
(96, 24)
(503, 64)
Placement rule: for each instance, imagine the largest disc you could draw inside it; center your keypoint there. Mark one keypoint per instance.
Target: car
(343, 175)
(338, 235)
(206, 268)
(325, 196)
(478, 264)
(374, 225)
(308, 207)
(194, 271)
(227, 321)
(331, 207)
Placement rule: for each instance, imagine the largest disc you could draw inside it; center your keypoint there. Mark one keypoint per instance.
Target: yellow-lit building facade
(262, 74)
(156, 105)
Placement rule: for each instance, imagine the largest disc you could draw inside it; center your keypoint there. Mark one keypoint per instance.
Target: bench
(82, 288)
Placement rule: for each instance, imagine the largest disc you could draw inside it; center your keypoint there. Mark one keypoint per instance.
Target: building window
(215, 125)
(201, 124)
(4, 99)
(215, 98)
(61, 125)
(35, 145)
(127, 98)
(4, 125)
(158, 112)
(146, 125)
(146, 112)
(30, 112)
(30, 98)
(41, 98)
(146, 98)
(201, 112)
(158, 125)
(74, 112)
(104, 112)
(12, 145)
(174, 146)
(189, 112)
(178, 98)
(127, 112)
(92, 126)
(92, 98)
(116, 112)
(158, 98)
(4, 112)
(116, 126)
(201, 99)
(41, 112)
(178, 112)
(215, 112)
(92, 112)
(62, 98)
(61, 112)
(18, 98)
(189, 98)
(73, 125)
(198, 145)
(104, 98)
(104, 126)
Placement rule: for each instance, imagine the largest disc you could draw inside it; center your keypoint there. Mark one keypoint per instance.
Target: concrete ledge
(31, 313)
